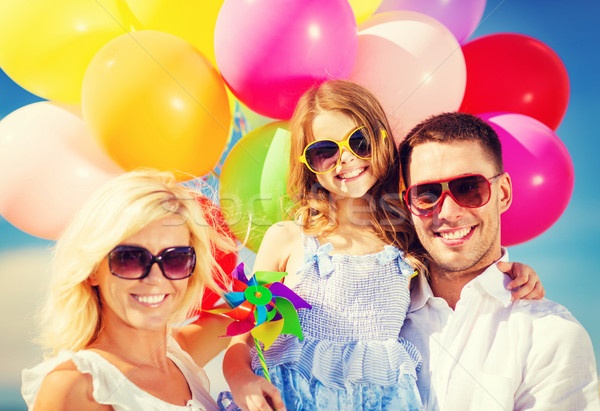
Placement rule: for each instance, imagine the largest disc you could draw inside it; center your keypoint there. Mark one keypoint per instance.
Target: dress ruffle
(335, 364)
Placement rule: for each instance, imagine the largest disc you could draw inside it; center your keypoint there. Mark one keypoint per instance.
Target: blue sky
(565, 255)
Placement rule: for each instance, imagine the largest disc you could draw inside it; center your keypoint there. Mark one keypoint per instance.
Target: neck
(353, 213)
(134, 346)
(448, 285)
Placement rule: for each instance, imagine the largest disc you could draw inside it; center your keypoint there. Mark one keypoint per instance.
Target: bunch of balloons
(170, 85)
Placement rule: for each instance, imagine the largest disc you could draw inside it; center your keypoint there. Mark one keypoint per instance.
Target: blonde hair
(71, 317)
(314, 211)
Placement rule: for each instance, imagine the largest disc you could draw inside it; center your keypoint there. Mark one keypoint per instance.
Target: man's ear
(504, 192)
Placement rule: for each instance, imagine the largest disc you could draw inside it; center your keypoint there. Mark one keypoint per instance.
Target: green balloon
(252, 191)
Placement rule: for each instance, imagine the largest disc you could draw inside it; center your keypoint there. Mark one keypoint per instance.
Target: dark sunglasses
(133, 263)
(470, 191)
(322, 156)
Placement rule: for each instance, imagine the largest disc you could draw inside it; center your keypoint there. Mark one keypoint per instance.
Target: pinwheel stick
(261, 357)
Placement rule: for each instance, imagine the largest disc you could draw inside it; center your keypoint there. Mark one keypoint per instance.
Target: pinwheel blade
(268, 332)
(291, 324)
(239, 327)
(261, 314)
(281, 290)
(267, 277)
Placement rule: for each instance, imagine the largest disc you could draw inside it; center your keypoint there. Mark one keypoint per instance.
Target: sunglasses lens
(423, 198)
(360, 144)
(322, 156)
(178, 262)
(129, 262)
(470, 191)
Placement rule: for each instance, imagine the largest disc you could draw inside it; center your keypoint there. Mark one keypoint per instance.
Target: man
(481, 350)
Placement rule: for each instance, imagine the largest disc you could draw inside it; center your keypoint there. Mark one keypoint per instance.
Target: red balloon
(518, 74)
(227, 261)
(541, 171)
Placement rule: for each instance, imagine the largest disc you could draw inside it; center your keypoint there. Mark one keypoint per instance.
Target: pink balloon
(461, 17)
(271, 51)
(413, 64)
(49, 165)
(542, 175)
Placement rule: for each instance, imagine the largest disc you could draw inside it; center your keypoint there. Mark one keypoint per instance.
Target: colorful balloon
(192, 20)
(461, 17)
(515, 73)
(363, 9)
(253, 183)
(46, 46)
(49, 166)
(271, 51)
(541, 171)
(152, 100)
(413, 64)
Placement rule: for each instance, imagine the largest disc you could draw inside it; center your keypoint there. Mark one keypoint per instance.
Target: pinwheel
(263, 306)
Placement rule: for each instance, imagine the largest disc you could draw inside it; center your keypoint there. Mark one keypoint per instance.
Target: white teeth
(455, 235)
(351, 174)
(150, 299)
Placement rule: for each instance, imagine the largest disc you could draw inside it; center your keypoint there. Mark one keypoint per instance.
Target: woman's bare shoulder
(66, 388)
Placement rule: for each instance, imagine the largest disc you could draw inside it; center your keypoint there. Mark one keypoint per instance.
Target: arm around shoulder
(65, 388)
(560, 371)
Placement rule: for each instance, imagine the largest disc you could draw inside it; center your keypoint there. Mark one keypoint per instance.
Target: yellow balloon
(363, 9)
(192, 20)
(152, 100)
(46, 46)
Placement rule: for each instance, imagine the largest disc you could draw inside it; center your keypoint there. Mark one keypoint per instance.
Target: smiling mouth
(456, 235)
(150, 300)
(351, 174)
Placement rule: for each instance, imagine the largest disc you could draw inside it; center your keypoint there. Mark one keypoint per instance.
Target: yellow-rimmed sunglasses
(322, 156)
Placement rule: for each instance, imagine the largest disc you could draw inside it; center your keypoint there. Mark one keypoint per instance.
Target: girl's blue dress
(351, 357)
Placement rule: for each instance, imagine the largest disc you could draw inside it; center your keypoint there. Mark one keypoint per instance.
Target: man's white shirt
(491, 353)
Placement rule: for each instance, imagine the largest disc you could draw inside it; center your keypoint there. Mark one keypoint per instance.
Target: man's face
(459, 239)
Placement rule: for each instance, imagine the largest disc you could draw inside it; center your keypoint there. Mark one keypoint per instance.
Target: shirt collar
(492, 280)
(420, 293)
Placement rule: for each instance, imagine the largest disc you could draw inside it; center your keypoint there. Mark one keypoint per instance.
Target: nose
(448, 209)
(155, 275)
(346, 155)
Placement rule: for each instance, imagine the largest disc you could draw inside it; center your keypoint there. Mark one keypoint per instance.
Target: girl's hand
(526, 283)
(254, 393)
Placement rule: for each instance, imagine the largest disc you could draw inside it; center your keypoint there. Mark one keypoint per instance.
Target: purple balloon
(541, 171)
(461, 17)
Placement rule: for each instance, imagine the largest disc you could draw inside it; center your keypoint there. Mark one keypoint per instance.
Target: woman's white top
(112, 388)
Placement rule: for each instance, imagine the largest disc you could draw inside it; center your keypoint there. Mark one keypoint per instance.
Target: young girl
(350, 253)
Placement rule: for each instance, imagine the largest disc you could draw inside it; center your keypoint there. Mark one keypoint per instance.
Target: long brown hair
(314, 210)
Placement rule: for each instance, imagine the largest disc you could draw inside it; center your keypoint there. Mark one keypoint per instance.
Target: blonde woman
(131, 264)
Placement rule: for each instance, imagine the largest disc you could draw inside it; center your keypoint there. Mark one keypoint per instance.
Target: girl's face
(353, 176)
(147, 303)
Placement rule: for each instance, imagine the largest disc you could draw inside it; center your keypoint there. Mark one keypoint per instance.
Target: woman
(132, 263)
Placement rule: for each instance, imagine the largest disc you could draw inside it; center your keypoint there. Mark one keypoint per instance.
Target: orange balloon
(152, 100)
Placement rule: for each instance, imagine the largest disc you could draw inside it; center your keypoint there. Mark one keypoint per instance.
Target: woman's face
(353, 176)
(147, 303)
